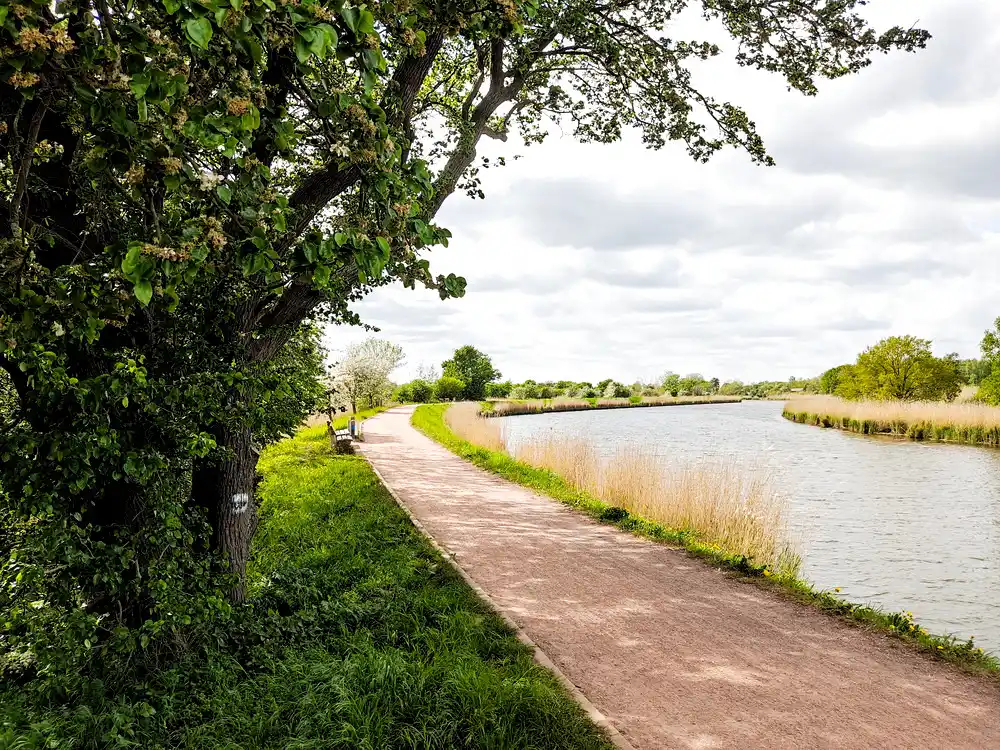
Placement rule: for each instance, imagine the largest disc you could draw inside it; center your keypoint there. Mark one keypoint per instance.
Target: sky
(881, 217)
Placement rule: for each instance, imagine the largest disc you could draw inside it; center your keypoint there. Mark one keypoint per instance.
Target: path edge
(541, 658)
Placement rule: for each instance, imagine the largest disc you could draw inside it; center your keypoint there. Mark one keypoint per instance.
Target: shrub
(421, 391)
(448, 388)
(499, 390)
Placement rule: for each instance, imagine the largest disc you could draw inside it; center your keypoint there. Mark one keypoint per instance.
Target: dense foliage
(898, 368)
(448, 388)
(989, 386)
(473, 368)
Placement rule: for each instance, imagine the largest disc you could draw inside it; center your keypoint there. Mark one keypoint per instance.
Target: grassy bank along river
(697, 513)
(509, 408)
(971, 423)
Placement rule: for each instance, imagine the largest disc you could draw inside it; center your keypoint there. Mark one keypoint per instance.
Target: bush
(403, 394)
(499, 390)
(448, 388)
(421, 391)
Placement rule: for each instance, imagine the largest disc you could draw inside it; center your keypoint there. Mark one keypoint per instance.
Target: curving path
(672, 651)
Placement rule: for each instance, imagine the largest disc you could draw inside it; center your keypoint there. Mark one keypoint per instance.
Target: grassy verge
(429, 419)
(954, 422)
(358, 635)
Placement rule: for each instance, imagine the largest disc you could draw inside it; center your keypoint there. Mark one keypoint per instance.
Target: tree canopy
(900, 368)
(989, 386)
(473, 368)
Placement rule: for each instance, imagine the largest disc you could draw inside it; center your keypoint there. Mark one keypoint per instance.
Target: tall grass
(725, 505)
(960, 422)
(545, 406)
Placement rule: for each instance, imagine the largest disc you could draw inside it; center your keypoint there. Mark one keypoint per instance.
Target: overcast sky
(882, 217)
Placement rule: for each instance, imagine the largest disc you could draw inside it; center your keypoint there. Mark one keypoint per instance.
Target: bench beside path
(673, 652)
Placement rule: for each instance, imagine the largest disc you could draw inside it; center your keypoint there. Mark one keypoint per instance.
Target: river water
(902, 525)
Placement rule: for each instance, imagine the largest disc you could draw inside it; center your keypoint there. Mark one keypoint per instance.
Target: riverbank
(430, 420)
(672, 652)
(968, 423)
(506, 408)
(357, 634)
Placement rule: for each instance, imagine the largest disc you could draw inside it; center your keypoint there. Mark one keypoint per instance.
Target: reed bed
(958, 422)
(723, 505)
(547, 406)
(465, 421)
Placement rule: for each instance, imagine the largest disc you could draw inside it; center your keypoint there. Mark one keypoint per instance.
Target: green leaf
(125, 401)
(256, 51)
(301, 48)
(172, 6)
(199, 31)
(383, 245)
(143, 111)
(350, 16)
(144, 292)
(131, 259)
(139, 84)
(331, 35)
(3, 13)
(251, 120)
(225, 193)
(321, 275)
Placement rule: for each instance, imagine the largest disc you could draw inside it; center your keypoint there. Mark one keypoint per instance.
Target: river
(902, 525)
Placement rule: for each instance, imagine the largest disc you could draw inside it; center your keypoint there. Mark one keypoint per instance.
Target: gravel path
(675, 653)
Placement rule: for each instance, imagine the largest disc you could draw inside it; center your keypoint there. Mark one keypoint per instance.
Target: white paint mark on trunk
(240, 502)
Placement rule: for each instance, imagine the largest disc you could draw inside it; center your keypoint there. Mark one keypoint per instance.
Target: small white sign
(240, 502)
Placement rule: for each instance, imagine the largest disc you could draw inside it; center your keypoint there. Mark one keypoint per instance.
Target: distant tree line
(896, 368)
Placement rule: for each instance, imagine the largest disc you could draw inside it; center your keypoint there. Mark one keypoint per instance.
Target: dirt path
(675, 653)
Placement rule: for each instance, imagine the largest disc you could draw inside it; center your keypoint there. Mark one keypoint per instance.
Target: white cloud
(882, 217)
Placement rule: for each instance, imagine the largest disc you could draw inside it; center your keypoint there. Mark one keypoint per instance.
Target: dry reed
(723, 505)
(545, 406)
(465, 421)
(941, 414)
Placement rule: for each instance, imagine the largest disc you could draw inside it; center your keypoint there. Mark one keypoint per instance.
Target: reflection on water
(906, 526)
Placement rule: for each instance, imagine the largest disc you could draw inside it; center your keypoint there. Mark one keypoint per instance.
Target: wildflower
(135, 174)
(837, 589)
(210, 181)
(940, 648)
(30, 39)
(23, 80)
(767, 573)
(911, 627)
(238, 107)
(171, 164)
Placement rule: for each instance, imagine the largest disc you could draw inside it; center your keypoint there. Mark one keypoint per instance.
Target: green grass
(429, 419)
(359, 636)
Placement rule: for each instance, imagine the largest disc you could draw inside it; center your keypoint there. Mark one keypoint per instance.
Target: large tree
(902, 368)
(989, 386)
(183, 184)
(362, 376)
(473, 368)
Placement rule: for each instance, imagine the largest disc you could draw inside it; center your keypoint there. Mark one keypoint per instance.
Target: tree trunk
(227, 490)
